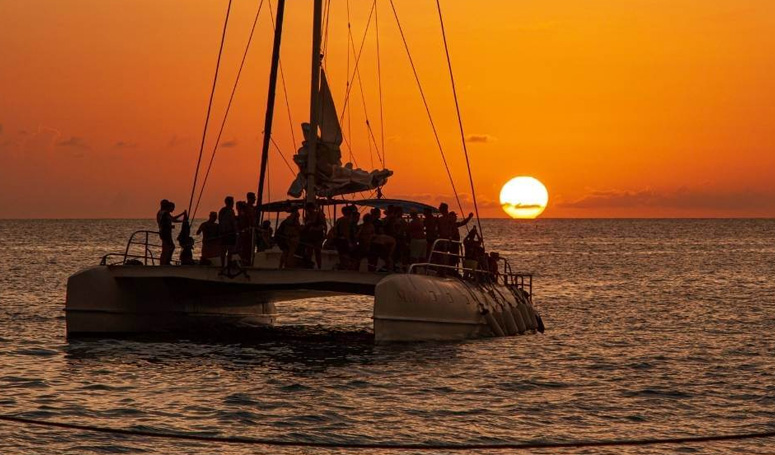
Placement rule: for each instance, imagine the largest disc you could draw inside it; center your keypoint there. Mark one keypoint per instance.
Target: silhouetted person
(211, 245)
(343, 237)
(227, 230)
(245, 217)
(165, 221)
(186, 243)
(314, 232)
(265, 239)
(418, 245)
(364, 237)
(431, 226)
(288, 237)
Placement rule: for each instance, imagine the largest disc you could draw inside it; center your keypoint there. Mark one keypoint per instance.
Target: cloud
(228, 144)
(125, 145)
(74, 142)
(481, 138)
(683, 198)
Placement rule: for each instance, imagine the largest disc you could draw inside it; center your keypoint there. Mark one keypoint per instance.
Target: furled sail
(331, 177)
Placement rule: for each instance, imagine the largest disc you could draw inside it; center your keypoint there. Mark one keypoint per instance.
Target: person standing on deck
(210, 242)
(252, 217)
(444, 230)
(431, 226)
(244, 232)
(227, 230)
(288, 237)
(454, 226)
(364, 238)
(165, 220)
(418, 244)
(314, 232)
(343, 238)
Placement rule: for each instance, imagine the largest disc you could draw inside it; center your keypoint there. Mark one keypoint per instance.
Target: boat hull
(431, 308)
(138, 299)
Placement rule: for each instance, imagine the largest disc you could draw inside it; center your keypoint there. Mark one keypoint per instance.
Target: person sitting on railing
(418, 245)
(227, 230)
(211, 247)
(165, 220)
(288, 238)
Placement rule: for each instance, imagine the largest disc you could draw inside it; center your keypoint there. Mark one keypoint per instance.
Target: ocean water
(655, 328)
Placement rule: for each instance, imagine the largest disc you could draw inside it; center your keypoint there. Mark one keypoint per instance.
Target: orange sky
(638, 108)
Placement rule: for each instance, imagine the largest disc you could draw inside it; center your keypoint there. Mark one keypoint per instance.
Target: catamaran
(441, 298)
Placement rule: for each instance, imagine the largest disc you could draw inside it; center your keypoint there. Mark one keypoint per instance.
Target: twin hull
(138, 299)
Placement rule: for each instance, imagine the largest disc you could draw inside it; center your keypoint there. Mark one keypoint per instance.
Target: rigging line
(245, 440)
(282, 155)
(366, 112)
(327, 16)
(282, 80)
(427, 108)
(357, 62)
(347, 82)
(460, 121)
(379, 82)
(228, 108)
(209, 106)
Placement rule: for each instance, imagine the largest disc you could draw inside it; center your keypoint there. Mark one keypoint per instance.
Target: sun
(524, 197)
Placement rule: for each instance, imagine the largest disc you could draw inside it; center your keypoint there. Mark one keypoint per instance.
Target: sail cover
(331, 177)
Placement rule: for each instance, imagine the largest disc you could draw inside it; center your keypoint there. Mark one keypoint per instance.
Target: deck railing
(443, 262)
(146, 257)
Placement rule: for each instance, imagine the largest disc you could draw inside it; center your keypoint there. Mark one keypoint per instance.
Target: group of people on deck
(395, 238)
(224, 234)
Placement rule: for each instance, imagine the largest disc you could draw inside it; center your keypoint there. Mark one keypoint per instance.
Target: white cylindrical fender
(493, 324)
(518, 318)
(533, 317)
(529, 321)
(508, 318)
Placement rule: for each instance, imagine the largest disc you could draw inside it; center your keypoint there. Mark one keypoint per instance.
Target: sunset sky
(622, 108)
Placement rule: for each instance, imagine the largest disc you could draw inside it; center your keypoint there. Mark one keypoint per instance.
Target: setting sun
(524, 197)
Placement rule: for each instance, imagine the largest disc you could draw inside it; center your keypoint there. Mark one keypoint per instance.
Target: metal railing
(454, 264)
(147, 257)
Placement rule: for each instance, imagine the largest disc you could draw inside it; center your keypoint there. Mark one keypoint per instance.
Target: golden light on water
(524, 197)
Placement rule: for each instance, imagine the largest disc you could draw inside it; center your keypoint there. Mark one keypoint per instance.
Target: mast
(314, 110)
(278, 31)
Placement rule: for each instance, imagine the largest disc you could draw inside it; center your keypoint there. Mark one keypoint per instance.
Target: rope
(460, 122)
(282, 80)
(427, 108)
(393, 446)
(347, 82)
(282, 155)
(363, 103)
(379, 82)
(209, 107)
(228, 108)
(357, 62)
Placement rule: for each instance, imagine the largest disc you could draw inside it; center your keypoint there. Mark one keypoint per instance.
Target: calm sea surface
(655, 328)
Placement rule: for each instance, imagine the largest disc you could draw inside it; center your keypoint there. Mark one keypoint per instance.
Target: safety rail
(146, 256)
(461, 267)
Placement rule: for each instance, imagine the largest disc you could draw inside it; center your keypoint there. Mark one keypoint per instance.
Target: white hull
(139, 299)
(420, 307)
